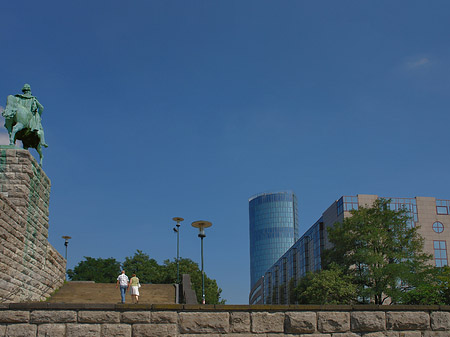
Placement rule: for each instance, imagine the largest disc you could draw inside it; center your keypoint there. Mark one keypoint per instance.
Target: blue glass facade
(273, 229)
(304, 256)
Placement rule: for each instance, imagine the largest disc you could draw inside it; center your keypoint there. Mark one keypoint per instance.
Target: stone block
(368, 321)
(116, 330)
(24, 178)
(265, 322)
(10, 175)
(135, 317)
(333, 321)
(278, 335)
(409, 334)
(401, 320)
(53, 316)
(14, 316)
(436, 334)
(345, 334)
(300, 322)
(381, 334)
(164, 317)
(2, 330)
(46, 330)
(155, 330)
(15, 168)
(98, 317)
(440, 321)
(83, 330)
(21, 330)
(204, 322)
(240, 322)
(20, 153)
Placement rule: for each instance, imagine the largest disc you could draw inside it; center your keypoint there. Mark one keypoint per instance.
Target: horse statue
(23, 120)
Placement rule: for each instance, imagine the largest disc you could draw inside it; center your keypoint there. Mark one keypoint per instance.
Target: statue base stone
(31, 268)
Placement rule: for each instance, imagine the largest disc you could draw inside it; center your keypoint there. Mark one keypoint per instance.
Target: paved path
(89, 292)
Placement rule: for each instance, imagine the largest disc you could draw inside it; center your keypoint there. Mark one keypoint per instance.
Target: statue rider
(29, 102)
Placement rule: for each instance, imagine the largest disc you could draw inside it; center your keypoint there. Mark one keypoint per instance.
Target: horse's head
(11, 107)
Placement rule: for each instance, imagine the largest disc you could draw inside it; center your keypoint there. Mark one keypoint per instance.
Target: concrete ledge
(217, 307)
(164, 307)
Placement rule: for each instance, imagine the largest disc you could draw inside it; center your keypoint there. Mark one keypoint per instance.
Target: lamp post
(66, 243)
(201, 225)
(177, 230)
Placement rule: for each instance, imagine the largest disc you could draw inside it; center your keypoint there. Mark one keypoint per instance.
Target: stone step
(90, 292)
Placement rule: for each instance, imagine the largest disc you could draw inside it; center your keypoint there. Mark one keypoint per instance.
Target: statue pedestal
(26, 185)
(31, 267)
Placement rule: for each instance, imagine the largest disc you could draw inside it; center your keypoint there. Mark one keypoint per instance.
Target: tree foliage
(149, 271)
(187, 266)
(329, 286)
(433, 287)
(381, 252)
(98, 270)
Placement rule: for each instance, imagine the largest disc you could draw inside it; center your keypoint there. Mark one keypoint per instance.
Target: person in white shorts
(134, 286)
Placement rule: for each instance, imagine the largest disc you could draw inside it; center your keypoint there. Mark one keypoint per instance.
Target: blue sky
(157, 109)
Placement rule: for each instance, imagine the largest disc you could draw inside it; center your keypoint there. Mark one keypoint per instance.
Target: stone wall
(48, 319)
(31, 269)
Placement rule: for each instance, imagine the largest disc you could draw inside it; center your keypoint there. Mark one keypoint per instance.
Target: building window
(340, 206)
(294, 265)
(442, 206)
(350, 203)
(438, 227)
(440, 253)
(346, 203)
(407, 204)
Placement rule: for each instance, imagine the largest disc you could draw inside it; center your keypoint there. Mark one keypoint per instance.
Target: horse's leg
(41, 156)
(42, 138)
(12, 136)
(8, 126)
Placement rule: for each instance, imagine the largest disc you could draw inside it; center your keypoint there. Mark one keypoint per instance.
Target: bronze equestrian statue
(23, 120)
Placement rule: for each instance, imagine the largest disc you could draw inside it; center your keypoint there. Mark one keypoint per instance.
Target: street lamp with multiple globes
(201, 225)
(66, 243)
(177, 230)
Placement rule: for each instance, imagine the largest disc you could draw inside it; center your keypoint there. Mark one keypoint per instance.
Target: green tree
(187, 266)
(433, 287)
(328, 286)
(147, 269)
(98, 270)
(378, 248)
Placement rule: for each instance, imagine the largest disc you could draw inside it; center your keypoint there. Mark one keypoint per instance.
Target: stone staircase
(90, 292)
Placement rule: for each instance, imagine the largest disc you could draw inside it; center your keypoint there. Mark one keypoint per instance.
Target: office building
(430, 215)
(273, 229)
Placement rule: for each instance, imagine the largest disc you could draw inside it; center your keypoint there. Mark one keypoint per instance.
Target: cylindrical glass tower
(273, 229)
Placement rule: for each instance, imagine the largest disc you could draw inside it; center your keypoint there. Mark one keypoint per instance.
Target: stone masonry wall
(31, 269)
(48, 319)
